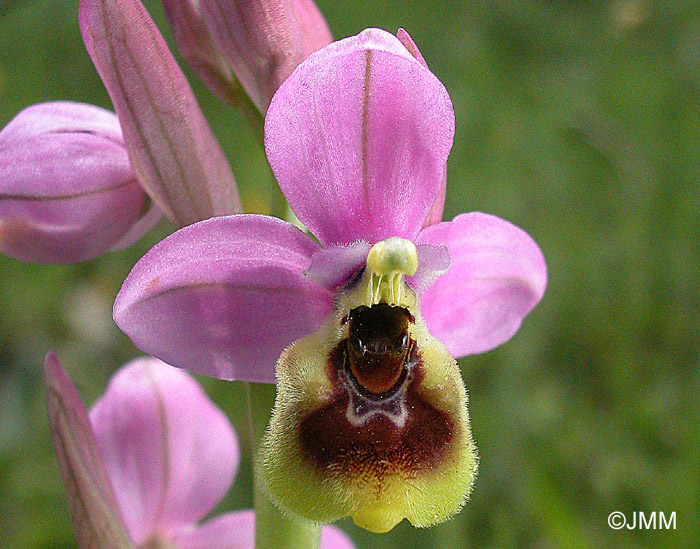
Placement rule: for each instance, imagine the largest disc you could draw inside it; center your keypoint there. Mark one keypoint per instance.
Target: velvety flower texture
(153, 457)
(358, 138)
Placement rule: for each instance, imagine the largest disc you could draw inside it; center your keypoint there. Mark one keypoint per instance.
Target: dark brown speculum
(378, 346)
(377, 422)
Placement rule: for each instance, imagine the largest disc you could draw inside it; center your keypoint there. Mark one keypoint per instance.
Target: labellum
(371, 413)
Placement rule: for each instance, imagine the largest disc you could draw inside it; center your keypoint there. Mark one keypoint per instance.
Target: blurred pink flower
(75, 180)
(153, 457)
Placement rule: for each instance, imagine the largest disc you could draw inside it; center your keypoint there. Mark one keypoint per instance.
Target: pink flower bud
(67, 190)
(264, 41)
(197, 47)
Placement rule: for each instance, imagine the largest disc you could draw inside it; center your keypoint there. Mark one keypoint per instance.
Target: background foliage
(578, 121)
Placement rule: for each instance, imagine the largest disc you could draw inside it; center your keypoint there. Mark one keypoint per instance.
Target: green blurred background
(576, 120)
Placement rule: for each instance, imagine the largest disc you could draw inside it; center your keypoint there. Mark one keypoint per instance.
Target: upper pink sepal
(497, 275)
(171, 147)
(67, 190)
(358, 137)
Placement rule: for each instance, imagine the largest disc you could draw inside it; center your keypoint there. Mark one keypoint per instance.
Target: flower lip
(353, 447)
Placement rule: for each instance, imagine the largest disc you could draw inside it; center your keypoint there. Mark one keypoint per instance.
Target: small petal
(171, 147)
(237, 531)
(67, 190)
(96, 516)
(223, 297)
(433, 262)
(264, 41)
(358, 137)
(170, 453)
(197, 47)
(497, 275)
(334, 266)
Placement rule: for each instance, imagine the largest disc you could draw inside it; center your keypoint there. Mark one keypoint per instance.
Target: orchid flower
(152, 458)
(371, 413)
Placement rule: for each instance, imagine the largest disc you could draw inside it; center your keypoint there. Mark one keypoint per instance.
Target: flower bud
(67, 190)
(264, 41)
(371, 412)
(96, 515)
(195, 44)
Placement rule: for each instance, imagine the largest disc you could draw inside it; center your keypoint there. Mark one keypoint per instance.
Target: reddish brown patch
(377, 447)
(153, 285)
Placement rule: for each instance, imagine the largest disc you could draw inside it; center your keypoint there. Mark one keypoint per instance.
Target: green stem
(239, 100)
(278, 203)
(273, 530)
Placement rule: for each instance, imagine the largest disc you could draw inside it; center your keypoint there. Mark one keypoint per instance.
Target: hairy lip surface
(378, 446)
